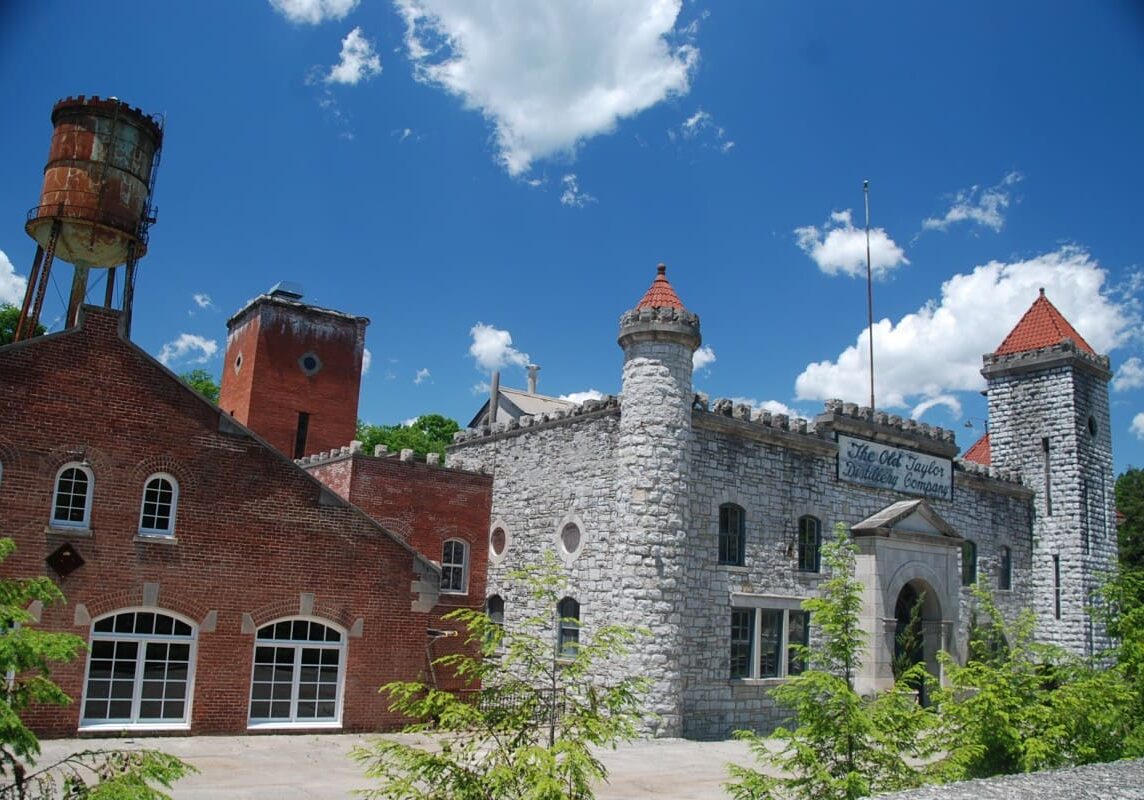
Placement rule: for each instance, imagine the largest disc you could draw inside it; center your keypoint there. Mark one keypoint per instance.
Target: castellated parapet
(655, 484)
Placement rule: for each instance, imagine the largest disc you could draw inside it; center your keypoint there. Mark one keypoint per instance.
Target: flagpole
(869, 291)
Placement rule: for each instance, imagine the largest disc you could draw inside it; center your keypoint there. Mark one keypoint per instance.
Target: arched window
(968, 563)
(454, 567)
(299, 671)
(1005, 578)
(160, 498)
(732, 534)
(494, 608)
(71, 502)
(568, 628)
(809, 544)
(139, 671)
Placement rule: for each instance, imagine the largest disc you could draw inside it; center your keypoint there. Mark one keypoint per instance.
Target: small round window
(498, 541)
(310, 363)
(1092, 427)
(570, 538)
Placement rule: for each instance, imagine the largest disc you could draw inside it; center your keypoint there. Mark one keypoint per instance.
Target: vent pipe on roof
(532, 371)
(494, 396)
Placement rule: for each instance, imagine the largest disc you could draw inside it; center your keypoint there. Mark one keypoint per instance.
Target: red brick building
(219, 586)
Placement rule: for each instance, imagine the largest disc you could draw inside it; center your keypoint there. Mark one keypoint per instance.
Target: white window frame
(494, 556)
(134, 723)
(342, 648)
(755, 604)
(463, 565)
(85, 523)
(169, 531)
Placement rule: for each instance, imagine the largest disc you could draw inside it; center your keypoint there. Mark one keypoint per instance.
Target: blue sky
(494, 182)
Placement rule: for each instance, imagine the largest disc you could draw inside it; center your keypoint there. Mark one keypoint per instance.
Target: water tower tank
(97, 182)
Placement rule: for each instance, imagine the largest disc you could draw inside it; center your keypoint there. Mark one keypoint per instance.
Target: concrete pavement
(308, 766)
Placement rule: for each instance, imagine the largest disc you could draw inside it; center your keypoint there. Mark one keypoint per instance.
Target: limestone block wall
(1049, 419)
(777, 473)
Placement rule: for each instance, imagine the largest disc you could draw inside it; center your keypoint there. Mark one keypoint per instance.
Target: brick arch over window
(9, 458)
(147, 596)
(294, 606)
(55, 458)
(155, 464)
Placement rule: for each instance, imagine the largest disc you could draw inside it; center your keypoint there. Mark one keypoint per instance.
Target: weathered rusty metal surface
(97, 181)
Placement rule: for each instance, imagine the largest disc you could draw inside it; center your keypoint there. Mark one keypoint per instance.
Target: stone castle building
(703, 522)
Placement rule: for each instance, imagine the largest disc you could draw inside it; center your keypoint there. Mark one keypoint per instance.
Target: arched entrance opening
(917, 635)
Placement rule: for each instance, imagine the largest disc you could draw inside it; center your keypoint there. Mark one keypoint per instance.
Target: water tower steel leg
(128, 288)
(45, 274)
(109, 290)
(78, 294)
(33, 276)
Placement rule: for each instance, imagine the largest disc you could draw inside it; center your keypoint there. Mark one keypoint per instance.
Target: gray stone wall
(777, 476)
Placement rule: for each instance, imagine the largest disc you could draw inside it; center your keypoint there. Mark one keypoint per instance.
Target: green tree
(429, 433)
(26, 657)
(9, 317)
(1130, 531)
(1018, 705)
(1123, 605)
(202, 382)
(845, 745)
(527, 727)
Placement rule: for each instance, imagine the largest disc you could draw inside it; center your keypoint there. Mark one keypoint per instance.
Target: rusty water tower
(95, 205)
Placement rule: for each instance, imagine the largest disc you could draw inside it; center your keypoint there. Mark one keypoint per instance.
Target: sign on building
(885, 467)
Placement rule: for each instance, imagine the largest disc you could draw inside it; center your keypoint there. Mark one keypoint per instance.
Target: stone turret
(1049, 420)
(658, 337)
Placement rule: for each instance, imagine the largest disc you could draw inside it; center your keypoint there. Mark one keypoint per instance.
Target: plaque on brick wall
(65, 560)
(886, 467)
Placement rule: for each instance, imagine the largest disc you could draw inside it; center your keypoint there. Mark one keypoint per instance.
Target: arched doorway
(917, 635)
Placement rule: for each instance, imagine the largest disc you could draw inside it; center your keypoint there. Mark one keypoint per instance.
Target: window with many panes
(454, 567)
(732, 534)
(567, 627)
(139, 671)
(71, 501)
(809, 544)
(763, 640)
(298, 674)
(160, 496)
(968, 563)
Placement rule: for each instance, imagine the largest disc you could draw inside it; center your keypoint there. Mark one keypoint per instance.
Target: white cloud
(937, 349)
(358, 60)
(313, 11)
(572, 196)
(1129, 376)
(701, 125)
(947, 400)
(203, 300)
(189, 348)
(492, 348)
(703, 357)
(549, 74)
(421, 376)
(1138, 426)
(841, 247)
(984, 207)
(12, 286)
(481, 387)
(580, 397)
(366, 360)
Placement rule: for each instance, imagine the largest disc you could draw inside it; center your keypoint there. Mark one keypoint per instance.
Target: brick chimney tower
(292, 371)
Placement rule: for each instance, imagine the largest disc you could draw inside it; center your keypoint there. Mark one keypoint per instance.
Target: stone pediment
(906, 516)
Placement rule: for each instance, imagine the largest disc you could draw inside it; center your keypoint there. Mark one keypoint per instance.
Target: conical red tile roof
(979, 452)
(660, 294)
(1042, 326)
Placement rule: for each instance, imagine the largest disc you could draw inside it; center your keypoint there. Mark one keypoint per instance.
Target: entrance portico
(906, 554)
